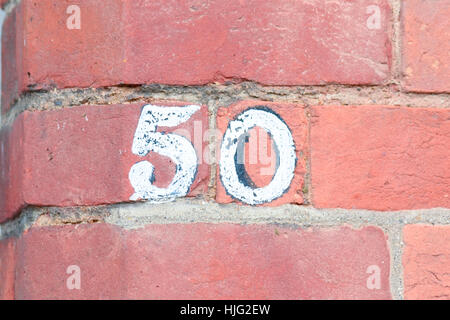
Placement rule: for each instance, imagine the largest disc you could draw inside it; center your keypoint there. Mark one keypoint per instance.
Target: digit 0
(232, 171)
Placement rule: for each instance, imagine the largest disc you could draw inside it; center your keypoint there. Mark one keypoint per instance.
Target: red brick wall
(225, 149)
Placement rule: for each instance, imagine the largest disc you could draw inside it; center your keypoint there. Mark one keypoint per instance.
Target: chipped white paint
(176, 147)
(233, 181)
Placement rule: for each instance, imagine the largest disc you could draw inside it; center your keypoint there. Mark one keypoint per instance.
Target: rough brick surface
(11, 168)
(426, 262)
(426, 41)
(319, 143)
(82, 156)
(97, 250)
(202, 261)
(191, 42)
(7, 268)
(380, 157)
(12, 58)
(260, 171)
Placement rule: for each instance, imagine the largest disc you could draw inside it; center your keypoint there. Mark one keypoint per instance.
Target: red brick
(82, 156)
(11, 169)
(380, 157)
(298, 126)
(7, 268)
(426, 43)
(12, 82)
(426, 261)
(203, 261)
(192, 42)
(96, 250)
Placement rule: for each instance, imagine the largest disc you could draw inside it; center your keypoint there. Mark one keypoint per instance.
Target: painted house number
(232, 172)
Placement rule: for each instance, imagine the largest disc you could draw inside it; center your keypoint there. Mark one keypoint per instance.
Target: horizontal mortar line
(224, 95)
(187, 211)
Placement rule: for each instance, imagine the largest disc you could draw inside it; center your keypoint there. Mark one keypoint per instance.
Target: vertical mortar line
(396, 33)
(395, 235)
(308, 194)
(212, 139)
(395, 232)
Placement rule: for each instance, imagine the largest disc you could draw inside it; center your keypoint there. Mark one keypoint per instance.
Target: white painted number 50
(174, 146)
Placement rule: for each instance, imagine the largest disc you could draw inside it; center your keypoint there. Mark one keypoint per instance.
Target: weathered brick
(203, 261)
(45, 254)
(380, 157)
(260, 163)
(7, 268)
(11, 169)
(426, 261)
(426, 43)
(191, 42)
(13, 82)
(83, 156)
